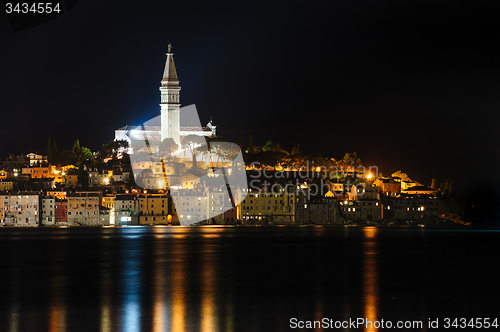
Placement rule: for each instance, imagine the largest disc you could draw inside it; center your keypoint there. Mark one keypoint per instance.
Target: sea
(236, 279)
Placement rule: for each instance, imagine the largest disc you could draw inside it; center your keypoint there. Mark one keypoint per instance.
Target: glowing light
(369, 176)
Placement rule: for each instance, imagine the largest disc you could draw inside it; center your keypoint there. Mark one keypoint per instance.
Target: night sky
(410, 85)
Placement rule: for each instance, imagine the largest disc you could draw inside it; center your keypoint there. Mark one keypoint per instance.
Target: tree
(67, 157)
(131, 179)
(433, 184)
(55, 153)
(350, 162)
(76, 146)
(296, 149)
(117, 147)
(451, 190)
(167, 148)
(83, 176)
(250, 145)
(269, 147)
(191, 143)
(49, 152)
(443, 188)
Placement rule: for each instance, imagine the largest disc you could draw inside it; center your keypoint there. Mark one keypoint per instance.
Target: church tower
(170, 100)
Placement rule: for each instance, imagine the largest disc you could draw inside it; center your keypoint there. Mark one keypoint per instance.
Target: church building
(170, 121)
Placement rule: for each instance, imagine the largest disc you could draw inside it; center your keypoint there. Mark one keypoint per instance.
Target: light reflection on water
(370, 288)
(178, 287)
(219, 279)
(57, 314)
(160, 311)
(132, 282)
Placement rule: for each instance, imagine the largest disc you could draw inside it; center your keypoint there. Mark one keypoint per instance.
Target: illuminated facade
(20, 209)
(6, 184)
(48, 211)
(273, 206)
(388, 186)
(154, 209)
(126, 210)
(83, 208)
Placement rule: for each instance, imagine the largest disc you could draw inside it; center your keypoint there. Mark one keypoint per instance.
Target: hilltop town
(170, 170)
(106, 189)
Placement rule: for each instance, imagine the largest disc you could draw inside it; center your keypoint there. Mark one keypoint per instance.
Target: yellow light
(161, 183)
(369, 176)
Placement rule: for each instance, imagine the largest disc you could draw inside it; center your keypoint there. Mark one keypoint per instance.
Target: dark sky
(410, 85)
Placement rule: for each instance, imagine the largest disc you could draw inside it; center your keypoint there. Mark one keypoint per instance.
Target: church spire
(170, 100)
(170, 74)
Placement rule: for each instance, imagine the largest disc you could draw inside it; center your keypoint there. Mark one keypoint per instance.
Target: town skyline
(413, 96)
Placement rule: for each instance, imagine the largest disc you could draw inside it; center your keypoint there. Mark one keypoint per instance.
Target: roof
(420, 188)
(20, 193)
(96, 194)
(158, 129)
(130, 197)
(170, 73)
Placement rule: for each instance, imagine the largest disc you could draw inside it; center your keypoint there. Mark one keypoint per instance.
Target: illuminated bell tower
(170, 100)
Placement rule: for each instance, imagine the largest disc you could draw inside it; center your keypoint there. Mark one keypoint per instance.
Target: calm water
(241, 279)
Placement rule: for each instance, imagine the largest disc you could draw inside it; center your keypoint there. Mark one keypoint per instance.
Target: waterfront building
(61, 212)
(195, 204)
(155, 209)
(104, 217)
(48, 211)
(83, 208)
(316, 209)
(407, 207)
(126, 210)
(21, 208)
(276, 205)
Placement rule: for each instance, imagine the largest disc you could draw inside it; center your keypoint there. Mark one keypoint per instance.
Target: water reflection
(14, 290)
(208, 291)
(57, 308)
(178, 286)
(131, 283)
(220, 279)
(160, 307)
(105, 281)
(370, 288)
